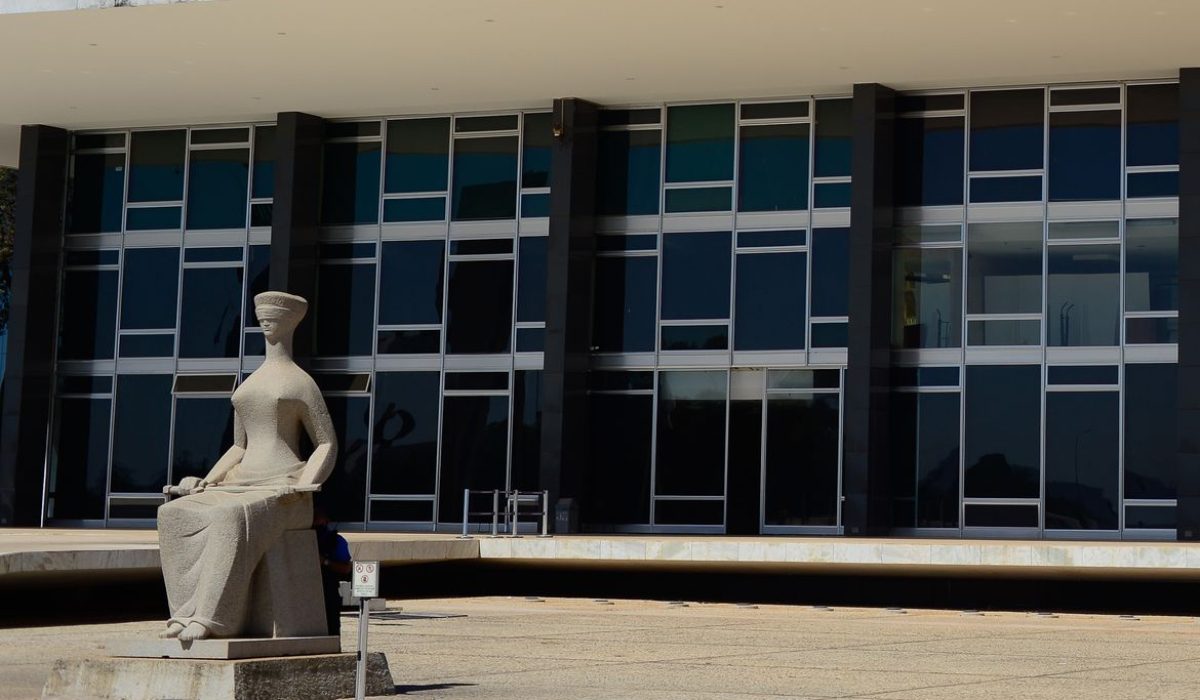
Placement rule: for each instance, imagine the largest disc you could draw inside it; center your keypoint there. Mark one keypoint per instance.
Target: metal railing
(516, 503)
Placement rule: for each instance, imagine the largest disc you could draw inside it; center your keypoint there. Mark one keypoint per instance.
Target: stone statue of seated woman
(213, 537)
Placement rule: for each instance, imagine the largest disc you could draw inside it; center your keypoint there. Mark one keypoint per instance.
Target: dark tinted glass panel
(157, 345)
(775, 110)
(149, 288)
(229, 254)
(410, 283)
(1151, 430)
(531, 280)
(802, 460)
(1003, 426)
(618, 489)
(156, 166)
(708, 337)
(1082, 452)
(479, 309)
(1081, 374)
(691, 434)
(929, 161)
(625, 304)
(342, 381)
(140, 509)
(767, 239)
(351, 184)
(527, 430)
(1151, 330)
(536, 140)
(68, 384)
(402, 342)
(834, 139)
(1085, 96)
(1152, 185)
(85, 141)
(803, 379)
(830, 335)
(485, 179)
(689, 512)
(927, 298)
(188, 383)
(91, 257)
(254, 345)
(700, 143)
(153, 218)
(628, 169)
(1007, 129)
(333, 251)
(491, 246)
(773, 172)
(97, 193)
(418, 155)
(1006, 189)
(831, 195)
(830, 269)
(1004, 332)
(925, 459)
(420, 209)
(924, 376)
(1152, 265)
(619, 243)
(535, 205)
(620, 381)
(503, 122)
(695, 199)
(474, 448)
(928, 103)
(1004, 268)
(406, 433)
(531, 339)
(89, 315)
(79, 462)
(1085, 156)
(1001, 516)
(1088, 230)
(1152, 124)
(264, 162)
(695, 275)
(744, 480)
(345, 318)
(211, 323)
(142, 433)
(401, 511)
(344, 491)
(476, 381)
(617, 117)
(203, 432)
(261, 214)
(770, 302)
(258, 274)
(1083, 295)
(1150, 517)
(217, 188)
(351, 129)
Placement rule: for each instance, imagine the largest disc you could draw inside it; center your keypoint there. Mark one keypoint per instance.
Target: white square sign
(365, 583)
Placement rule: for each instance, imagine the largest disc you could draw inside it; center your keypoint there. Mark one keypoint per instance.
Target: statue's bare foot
(172, 631)
(193, 631)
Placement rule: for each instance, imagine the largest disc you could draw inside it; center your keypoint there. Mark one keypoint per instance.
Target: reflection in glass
(773, 168)
(149, 288)
(618, 490)
(834, 138)
(698, 337)
(830, 271)
(1004, 268)
(410, 282)
(406, 433)
(79, 461)
(802, 459)
(418, 155)
(700, 143)
(627, 172)
(203, 432)
(770, 301)
(691, 434)
(1007, 129)
(345, 313)
(625, 298)
(1152, 124)
(695, 275)
(89, 315)
(479, 309)
(485, 179)
(474, 449)
(1083, 295)
(925, 459)
(1151, 430)
(1082, 470)
(156, 166)
(929, 161)
(1003, 431)
(927, 298)
(217, 188)
(350, 194)
(97, 193)
(527, 430)
(141, 433)
(1085, 156)
(344, 491)
(402, 342)
(1152, 265)
(211, 322)
(531, 279)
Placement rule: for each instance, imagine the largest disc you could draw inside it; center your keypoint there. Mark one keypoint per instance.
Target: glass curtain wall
(1035, 285)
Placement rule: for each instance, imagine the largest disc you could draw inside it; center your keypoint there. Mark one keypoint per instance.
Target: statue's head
(278, 314)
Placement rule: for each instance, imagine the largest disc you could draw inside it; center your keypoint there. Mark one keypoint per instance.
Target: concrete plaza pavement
(491, 648)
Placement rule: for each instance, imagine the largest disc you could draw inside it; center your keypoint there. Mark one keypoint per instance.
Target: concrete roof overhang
(233, 60)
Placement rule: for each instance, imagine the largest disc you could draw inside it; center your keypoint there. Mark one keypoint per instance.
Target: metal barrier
(514, 501)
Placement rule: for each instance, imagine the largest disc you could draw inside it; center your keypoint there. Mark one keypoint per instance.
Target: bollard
(466, 511)
(545, 513)
(495, 512)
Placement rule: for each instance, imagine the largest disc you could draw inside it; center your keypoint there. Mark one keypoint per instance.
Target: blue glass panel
(474, 447)
(334, 251)
(1007, 129)
(531, 339)
(1085, 156)
(709, 337)
(92, 257)
(406, 432)
(1003, 431)
(1082, 460)
(1151, 331)
(1151, 430)
(158, 345)
(141, 433)
(258, 280)
(79, 462)
(410, 282)
(831, 270)
(153, 219)
(424, 209)
(222, 254)
(695, 199)
(203, 431)
(1004, 332)
(769, 239)
(834, 138)
(770, 302)
(261, 214)
(1152, 185)
(485, 246)
(345, 318)
(1081, 374)
(533, 205)
(1152, 124)
(691, 433)
(628, 171)
(479, 308)
(830, 335)
(89, 315)
(830, 195)
(536, 141)
(937, 376)
(625, 304)
(255, 345)
(925, 441)
(695, 275)
(212, 303)
(929, 161)
(156, 166)
(77, 384)
(527, 430)
(405, 342)
(344, 489)
(1006, 189)
(149, 288)
(485, 178)
(351, 184)
(97, 193)
(700, 143)
(264, 162)
(531, 279)
(1150, 517)
(418, 155)
(618, 243)
(773, 172)
(217, 188)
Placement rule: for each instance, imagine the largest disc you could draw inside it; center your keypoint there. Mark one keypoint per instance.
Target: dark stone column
(1188, 510)
(565, 450)
(32, 322)
(867, 497)
(295, 215)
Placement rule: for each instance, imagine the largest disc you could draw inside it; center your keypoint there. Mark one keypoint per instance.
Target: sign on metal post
(364, 586)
